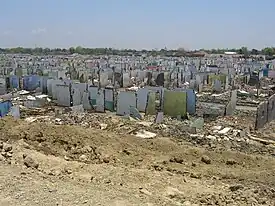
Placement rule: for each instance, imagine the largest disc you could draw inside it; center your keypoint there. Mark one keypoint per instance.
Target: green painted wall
(109, 106)
(151, 104)
(221, 77)
(174, 103)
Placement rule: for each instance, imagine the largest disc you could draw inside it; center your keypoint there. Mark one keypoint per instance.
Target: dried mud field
(46, 164)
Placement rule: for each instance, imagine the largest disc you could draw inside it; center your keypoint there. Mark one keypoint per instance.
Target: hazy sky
(138, 24)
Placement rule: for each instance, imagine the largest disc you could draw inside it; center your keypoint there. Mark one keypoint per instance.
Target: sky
(138, 24)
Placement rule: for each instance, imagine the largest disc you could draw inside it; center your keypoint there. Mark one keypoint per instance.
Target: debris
(177, 160)
(198, 123)
(211, 137)
(216, 127)
(231, 162)
(159, 117)
(144, 191)
(206, 159)
(103, 126)
(224, 130)
(7, 147)
(234, 188)
(83, 158)
(2, 158)
(174, 192)
(135, 113)
(30, 162)
(146, 124)
(145, 134)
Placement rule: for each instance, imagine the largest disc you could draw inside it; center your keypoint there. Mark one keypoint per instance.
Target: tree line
(268, 51)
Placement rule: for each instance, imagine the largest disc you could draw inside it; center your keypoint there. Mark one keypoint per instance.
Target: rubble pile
(6, 152)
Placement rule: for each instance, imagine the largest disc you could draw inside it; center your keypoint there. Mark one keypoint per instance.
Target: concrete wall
(100, 101)
(5, 107)
(109, 99)
(151, 104)
(93, 94)
(271, 108)
(77, 97)
(174, 103)
(231, 106)
(31, 82)
(124, 101)
(262, 115)
(64, 95)
(14, 82)
(191, 99)
(142, 95)
(3, 86)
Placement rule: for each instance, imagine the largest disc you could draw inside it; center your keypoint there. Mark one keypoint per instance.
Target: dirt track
(79, 166)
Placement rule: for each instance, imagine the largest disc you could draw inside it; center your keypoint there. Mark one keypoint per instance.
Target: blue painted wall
(31, 82)
(265, 72)
(191, 101)
(5, 108)
(14, 82)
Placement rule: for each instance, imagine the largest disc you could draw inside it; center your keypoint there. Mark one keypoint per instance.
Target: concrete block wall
(5, 107)
(265, 112)
(262, 115)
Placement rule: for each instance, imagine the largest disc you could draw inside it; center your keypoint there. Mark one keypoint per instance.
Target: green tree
(72, 50)
(79, 50)
(268, 51)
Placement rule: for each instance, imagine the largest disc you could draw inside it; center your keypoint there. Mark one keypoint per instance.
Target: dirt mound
(163, 171)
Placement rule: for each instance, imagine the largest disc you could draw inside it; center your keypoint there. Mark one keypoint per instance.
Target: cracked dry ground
(79, 166)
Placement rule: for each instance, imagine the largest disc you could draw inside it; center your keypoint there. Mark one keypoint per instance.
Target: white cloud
(39, 30)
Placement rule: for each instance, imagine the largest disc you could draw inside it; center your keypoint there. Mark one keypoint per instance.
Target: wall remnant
(262, 115)
(271, 108)
(64, 95)
(124, 101)
(174, 103)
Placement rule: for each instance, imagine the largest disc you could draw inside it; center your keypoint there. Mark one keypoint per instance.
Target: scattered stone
(106, 160)
(1, 145)
(206, 159)
(234, 188)
(224, 130)
(66, 158)
(126, 151)
(144, 191)
(29, 162)
(83, 158)
(9, 154)
(231, 162)
(103, 126)
(174, 192)
(7, 147)
(177, 160)
(211, 137)
(196, 176)
(68, 171)
(187, 203)
(216, 128)
(2, 158)
(4, 154)
(194, 164)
